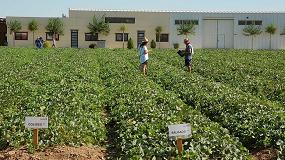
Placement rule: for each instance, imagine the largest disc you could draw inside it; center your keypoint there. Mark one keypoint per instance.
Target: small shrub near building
(176, 45)
(92, 45)
(152, 44)
(130, 43)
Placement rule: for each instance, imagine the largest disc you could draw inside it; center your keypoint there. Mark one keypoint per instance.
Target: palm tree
(55, 26)
(14, 26)
(271, 29)
(33, 26)
(186, 29)
(123, 29)
(158, 31)
(252, 31)
(99, 26)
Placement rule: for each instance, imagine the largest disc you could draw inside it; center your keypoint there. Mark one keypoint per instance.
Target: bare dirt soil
(56, 153)
(266, 154)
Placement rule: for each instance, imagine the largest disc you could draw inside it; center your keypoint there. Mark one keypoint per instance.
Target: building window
(21, 35)
(163, 38)
(249, 22)
(120, 20)
(91, 37)
(49, 36)
(258, 22)
(195, 22)
(119, 36)
(241, 22)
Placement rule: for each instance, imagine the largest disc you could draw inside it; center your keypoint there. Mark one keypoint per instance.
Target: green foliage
(123, 29)
(152, 44)
(130, 43)
(46, 44)
(92, 45)
(141, 123)
(224, 104)
(229, 102)
(14, 26)
(252, 30)
(186, 29)
(158, 31)
(176, 45)
(62, 84)
(33, 26)
(271, 29)
(55, 26)
(98, 25)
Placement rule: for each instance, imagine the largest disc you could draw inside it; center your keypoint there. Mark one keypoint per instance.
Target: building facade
(212, 29)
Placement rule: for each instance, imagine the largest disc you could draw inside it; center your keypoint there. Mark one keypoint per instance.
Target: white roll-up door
(218, 33)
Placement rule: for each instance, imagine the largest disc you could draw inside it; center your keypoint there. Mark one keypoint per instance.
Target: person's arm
(145, 50)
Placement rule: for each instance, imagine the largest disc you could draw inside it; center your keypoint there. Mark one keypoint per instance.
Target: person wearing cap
(189, 51)
(143, 55)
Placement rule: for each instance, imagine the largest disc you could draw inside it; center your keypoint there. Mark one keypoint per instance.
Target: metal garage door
(218, 33)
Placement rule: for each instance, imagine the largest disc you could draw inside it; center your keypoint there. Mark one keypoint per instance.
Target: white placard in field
(36, 122)
(182, 131)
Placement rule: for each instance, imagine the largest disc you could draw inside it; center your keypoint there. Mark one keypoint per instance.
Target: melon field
(233, 99)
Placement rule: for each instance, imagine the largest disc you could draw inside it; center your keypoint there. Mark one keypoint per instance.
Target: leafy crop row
(261, 73)
(257, 123)
(60, 84)
(141, 111)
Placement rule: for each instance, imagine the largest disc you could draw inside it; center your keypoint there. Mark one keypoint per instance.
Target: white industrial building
(213, 29)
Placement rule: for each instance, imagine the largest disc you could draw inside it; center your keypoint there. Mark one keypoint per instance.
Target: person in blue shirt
(188, 53)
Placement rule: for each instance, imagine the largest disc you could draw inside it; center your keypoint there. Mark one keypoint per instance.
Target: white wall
(205, 31)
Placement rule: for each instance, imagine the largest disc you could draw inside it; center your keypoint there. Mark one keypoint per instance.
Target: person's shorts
(145, 62)
(188, 62)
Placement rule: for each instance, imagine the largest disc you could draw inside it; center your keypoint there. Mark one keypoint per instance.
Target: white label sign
(179, 131)
(36, 122)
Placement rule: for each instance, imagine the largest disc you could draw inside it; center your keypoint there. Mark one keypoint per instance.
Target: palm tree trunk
(270, 42)
(251, 42)
(33, 38)
(123, 40)
(13, 39)
(159, 41)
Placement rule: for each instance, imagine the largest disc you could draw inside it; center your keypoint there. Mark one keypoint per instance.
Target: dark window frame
(126, 36)
(186, 21)
(131, 20)
(91, 37)
(258, 22)
(241, 22)
(249, 22)
(49, 36)
(164, 37)
(21, 37)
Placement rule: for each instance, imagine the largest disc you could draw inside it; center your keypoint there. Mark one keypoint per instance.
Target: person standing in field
(143, 55)
(53, 41)
(189, 51)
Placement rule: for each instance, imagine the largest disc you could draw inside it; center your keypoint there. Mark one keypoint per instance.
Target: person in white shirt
(143, 53)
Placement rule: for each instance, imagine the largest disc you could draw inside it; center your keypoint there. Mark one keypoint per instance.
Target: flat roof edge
(172, 11)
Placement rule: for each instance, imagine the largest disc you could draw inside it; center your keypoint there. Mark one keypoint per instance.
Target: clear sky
(55, 8)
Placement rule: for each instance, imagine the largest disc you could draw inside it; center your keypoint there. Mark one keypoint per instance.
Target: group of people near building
(39, 42)
(144, 55)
